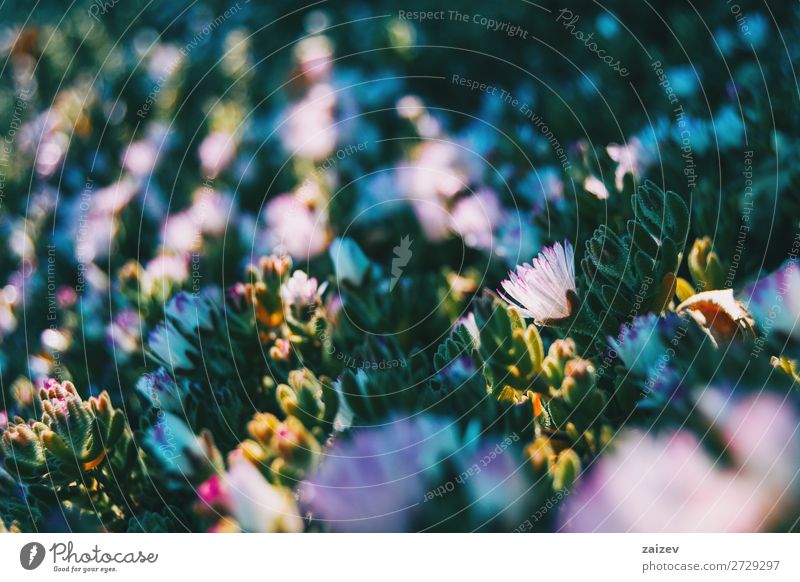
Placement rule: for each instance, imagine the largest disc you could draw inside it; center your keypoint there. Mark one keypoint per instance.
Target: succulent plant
(82, 448)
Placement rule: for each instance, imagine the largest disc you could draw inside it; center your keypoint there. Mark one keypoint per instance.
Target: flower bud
(540, 453)
(559, 353)
(566, 469)
(307, 398)
(134, 280)
(580, 380)
(22, 447)
(281, 351)
(705, 266)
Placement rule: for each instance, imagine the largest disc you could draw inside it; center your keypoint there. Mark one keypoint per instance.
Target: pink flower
(212, 492)
(169, 267)
(112, 199)
(475, 217)
(300, 291)
(310, 130)
(313, 55)
(439, 168)
(211, 211)
(671, 483)
(293, 228)
(66, 297)
(595, 186)
(542, 290)
(434, 219)
(216, 152)
(181, 233)
(631, 158)
(140, 158)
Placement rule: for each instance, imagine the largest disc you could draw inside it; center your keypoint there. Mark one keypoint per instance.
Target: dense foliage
(353, 267)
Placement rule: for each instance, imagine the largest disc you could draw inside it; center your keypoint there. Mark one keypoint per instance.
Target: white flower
(541, 289)
(167, 267)
(349, 261)
(300, 289)
(257, 505)
(469, 323)
(181, 234)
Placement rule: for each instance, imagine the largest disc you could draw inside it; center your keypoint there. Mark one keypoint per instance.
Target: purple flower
(310, 127)
(774, 300)
(383, 479)
(161, 390)
(639, 344)
(375, 480)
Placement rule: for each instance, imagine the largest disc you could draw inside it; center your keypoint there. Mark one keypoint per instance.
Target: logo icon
(31, 555)
(402, 254)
